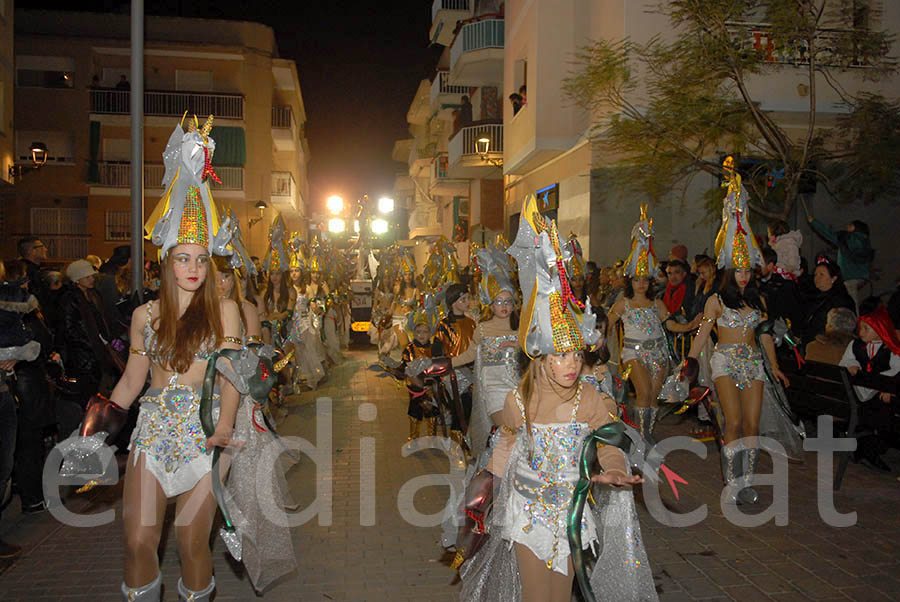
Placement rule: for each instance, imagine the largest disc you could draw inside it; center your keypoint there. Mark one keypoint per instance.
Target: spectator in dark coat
(832, 293)
(106, 286)
(780, 292)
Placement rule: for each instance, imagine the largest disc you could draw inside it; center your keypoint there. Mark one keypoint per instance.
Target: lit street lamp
(336, 225)
(335, 204)
(379, 226)
(482, 147)
(385, 204)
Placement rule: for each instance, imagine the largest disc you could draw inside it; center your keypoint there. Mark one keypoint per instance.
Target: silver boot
(642, 417)
(189, 595)
(749, 457)
(152, 592)
(731, 458)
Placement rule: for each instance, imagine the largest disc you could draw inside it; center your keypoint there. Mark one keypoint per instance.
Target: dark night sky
(359, 64)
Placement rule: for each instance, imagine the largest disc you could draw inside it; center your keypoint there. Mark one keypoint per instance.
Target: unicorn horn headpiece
(641, 262)
(186, 213)
(552, 320)
(736, 246)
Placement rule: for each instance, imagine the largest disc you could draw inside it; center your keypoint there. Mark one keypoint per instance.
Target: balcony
(421, 156)
(284, 193)
(284, 129)
(757, 37)
(444, 15)
(463, 160)
(445, 97)
(441, 184)
(169, 104)
(118, 175)
(476, 56)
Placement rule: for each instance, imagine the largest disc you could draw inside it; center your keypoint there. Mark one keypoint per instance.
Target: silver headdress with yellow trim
(240, 259)
(427, 313)
(186, 213)
(277, 257)
(736, 247)
(298, 252)
(641, 262)
(552, 320)
(495, 276)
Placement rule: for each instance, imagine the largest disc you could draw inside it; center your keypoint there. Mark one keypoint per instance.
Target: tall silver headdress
(239, 258)
(552, 320)
(277, 258)
(495, 277)
(186, 213)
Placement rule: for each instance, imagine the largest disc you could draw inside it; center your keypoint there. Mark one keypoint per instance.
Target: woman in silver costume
(172, 338)
(534, 466)
(645, 358)
(494, 347)
(737, 363)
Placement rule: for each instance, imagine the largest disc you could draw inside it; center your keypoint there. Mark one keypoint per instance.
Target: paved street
(369, 552)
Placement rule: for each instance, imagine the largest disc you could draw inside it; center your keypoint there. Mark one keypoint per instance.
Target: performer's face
(742, 277)
(564, 368)
(640, 285)
(190, 264)
(422, 334)
(295, 274)
(224, 283)
(503, 305)
(461, 305)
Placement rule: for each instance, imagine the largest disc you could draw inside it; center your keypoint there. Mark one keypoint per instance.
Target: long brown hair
(284, 295)
(179, 338)
(528, 388)
(235, 294)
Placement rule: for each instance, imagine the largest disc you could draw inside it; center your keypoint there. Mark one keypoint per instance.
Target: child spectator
(786, 243)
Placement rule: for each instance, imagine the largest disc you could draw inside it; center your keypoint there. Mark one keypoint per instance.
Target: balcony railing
(169, 104)
(757, 37)
(440, 87)
(439, 5)
(118, 175)
(282, 117)
(488, 33)
(464, 141)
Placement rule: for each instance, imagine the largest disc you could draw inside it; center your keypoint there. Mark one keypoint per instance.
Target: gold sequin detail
(137, 351)
(194, 228)
(564, 327)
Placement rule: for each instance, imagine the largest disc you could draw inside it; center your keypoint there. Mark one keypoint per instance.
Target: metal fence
(439, 5)
(118, 175)
(169, 104)
(488, 33)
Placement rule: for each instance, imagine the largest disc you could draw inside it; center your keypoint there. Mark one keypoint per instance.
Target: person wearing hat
(532, 474)
(738, 367)
(81, 338)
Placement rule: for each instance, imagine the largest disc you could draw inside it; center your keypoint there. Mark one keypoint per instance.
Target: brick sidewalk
(391, 560)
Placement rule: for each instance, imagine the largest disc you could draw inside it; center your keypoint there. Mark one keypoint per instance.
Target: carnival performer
(738, 368)
(452, 338)
(303, 336)
(645, 353)
(332, 317)
(277, 298)
(422, 323)
(494, 347)
(535, 465)
(172, 338)
(597, 369)
(245, 269)
(576, 267)
(256, 487)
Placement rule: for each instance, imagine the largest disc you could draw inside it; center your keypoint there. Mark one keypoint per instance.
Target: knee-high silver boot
(189, 595)
(749, 457)
(152, 592)
(731, 469)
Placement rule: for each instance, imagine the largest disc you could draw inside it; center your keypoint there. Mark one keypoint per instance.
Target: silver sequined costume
(621, 572)
(496, 374)
(303, 336)
(644, 338)
(741, 362)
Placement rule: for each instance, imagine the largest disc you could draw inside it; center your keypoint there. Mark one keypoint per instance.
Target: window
(118, 226)
(63, 230)
(193, 81)
(45, 72)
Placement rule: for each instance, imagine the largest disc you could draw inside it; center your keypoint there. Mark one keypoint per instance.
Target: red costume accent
(880, 321)
(207, 168)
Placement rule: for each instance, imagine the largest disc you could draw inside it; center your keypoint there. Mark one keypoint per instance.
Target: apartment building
(72, 94)
(547, 148)
(456, 185)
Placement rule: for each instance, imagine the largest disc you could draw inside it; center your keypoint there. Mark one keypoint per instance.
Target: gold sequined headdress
(736, 246)
(641, 262)
(553, 320)
(186, 213)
